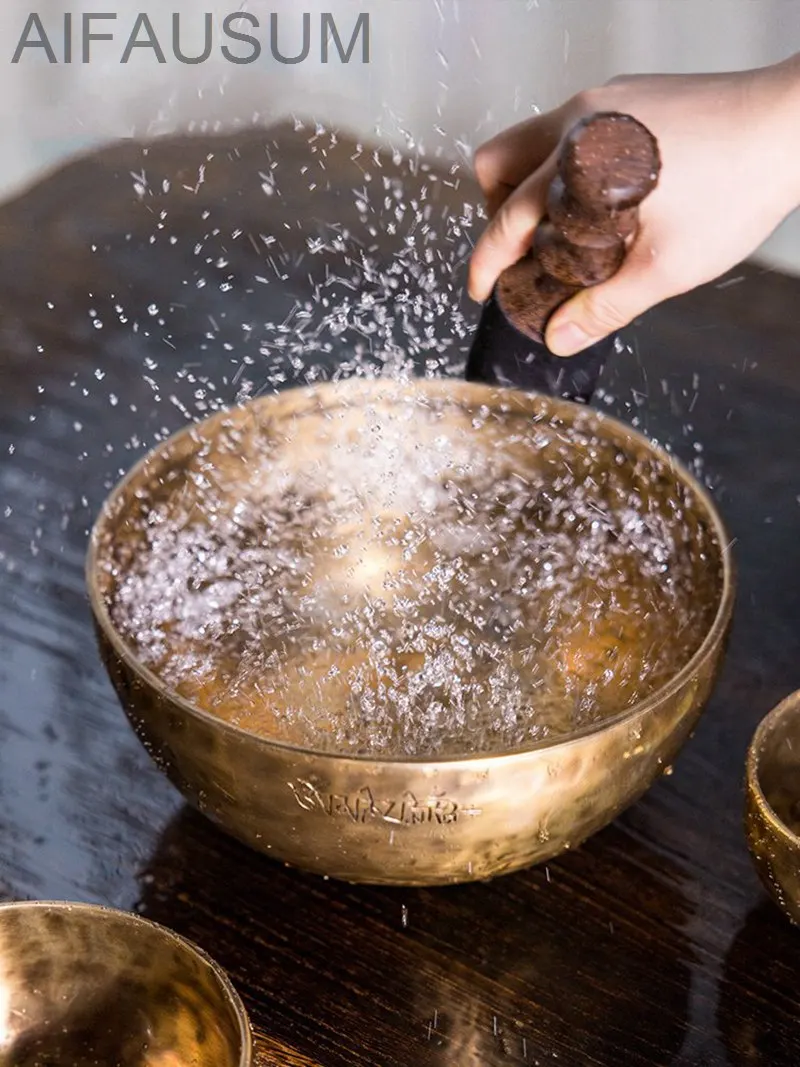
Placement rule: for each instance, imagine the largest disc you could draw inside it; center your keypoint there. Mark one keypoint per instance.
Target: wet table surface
(145, 283)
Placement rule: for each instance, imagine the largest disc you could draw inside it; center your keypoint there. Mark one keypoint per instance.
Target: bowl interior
(409, 570)
(776, 763)
(88, 986)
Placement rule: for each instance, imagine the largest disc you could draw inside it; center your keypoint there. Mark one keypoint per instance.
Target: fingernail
(567, 338)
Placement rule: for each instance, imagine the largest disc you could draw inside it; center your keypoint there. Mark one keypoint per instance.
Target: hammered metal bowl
(772, 813)
(428, 820)
(85, 986)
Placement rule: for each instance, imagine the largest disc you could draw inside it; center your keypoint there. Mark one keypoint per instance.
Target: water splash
(413, 577)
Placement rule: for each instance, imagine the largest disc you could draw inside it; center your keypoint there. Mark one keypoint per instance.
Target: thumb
(603, 309)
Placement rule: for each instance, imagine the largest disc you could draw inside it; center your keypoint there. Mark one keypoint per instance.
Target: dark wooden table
(122, 311)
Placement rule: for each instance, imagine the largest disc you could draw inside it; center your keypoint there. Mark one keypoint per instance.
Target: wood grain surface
(651, 945)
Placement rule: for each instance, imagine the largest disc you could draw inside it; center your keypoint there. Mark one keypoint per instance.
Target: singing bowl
(432, 818)
(772, 811)
(85, 985)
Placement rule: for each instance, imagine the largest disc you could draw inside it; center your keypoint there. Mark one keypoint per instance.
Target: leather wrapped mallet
(607, 164)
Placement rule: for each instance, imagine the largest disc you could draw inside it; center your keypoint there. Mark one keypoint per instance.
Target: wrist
(777, 91)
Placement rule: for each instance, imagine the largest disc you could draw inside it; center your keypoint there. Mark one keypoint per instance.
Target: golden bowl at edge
(772, 810)
(82, 985)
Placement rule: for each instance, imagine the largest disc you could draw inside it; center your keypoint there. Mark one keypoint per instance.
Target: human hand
(730, 174)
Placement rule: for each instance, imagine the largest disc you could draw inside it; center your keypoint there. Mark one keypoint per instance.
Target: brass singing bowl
(772, 811)
(83, 985)
(434, 818)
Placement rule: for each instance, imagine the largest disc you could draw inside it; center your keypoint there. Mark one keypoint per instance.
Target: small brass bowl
(772, 812)
(444, 817)
(83, 985)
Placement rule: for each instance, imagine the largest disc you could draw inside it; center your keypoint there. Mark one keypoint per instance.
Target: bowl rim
(457, 389)
(131, 918)
(789, 706)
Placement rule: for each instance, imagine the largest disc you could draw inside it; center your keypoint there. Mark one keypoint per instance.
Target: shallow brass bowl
(420, 821)
(82, 985)
(772, 812)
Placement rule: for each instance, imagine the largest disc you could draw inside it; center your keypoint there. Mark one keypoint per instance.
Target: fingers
(509, 158)
(509, 234)
(496, 197)
(603, 309)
